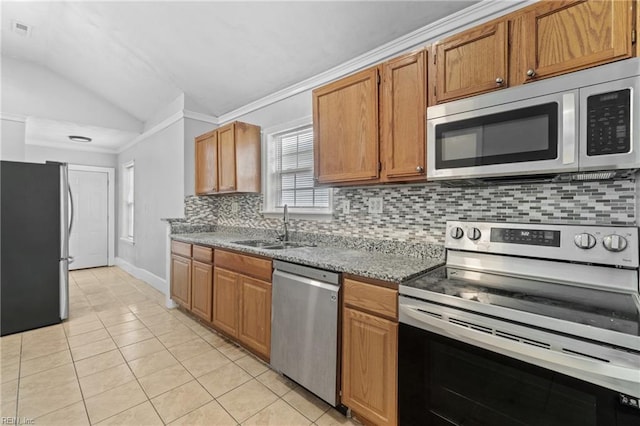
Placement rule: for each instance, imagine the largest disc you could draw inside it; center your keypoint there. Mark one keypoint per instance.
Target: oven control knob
(614, 242)
(474, 234)
(585, 240)
(456, 233)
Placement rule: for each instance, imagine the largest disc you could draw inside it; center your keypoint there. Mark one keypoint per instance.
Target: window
(290, 173)
(127, 201)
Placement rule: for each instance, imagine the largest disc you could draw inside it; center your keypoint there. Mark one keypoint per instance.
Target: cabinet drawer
(248, 265)
(203, 254)
(180, 248)
(379, 300)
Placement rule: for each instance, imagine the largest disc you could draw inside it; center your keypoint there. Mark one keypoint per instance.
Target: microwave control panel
(609, 123)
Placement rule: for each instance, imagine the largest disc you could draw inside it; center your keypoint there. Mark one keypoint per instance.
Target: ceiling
(141, 55)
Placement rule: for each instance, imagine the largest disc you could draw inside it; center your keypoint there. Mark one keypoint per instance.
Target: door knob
(419, 169)
(531, 73)
(499, 81)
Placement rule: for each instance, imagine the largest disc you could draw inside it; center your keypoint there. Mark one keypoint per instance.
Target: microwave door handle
(568, 128)
(623, 379)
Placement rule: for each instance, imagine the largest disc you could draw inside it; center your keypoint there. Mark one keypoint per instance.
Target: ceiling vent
(21, 28)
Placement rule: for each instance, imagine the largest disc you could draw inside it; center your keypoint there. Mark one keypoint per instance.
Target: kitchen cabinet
(370, 351)
(402, 118)
(242, 300)
(472, 62)
(345, 126)
(192, 278)
(370, 127)
(564, 36)
(228, 159)
(207, 163)
(225, 301)
(201, 289)
(181, 273)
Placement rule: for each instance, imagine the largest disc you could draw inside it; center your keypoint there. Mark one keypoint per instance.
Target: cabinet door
(369, 366)
(181, 280)
(227, 157)
(472, 62)
(207, 164)
(255, 315)
(562, 36)
(345, 126)
(201, 289)
(403, 117)
(225, 301)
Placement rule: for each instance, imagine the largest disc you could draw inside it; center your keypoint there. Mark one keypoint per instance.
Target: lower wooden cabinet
(181, 280)
(370, 352)
(242, 300)
(255, 314)
(201, 289)
(225, 301)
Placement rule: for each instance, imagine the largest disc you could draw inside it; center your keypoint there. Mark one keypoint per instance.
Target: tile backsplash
(418, 213)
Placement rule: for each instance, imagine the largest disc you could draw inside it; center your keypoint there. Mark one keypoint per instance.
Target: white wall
(40, 154)
(32, 90)
(12, 140)
(158, 193)
(281, 112)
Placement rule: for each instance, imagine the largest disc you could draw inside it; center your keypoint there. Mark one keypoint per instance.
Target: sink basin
(272, 245)
(257, 243)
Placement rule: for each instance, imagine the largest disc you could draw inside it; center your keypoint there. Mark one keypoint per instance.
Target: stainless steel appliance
(34, 245)
(525, 324)
(581, 122)
(304, 324)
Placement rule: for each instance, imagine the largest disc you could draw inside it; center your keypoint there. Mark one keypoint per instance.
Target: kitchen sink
(271, 244)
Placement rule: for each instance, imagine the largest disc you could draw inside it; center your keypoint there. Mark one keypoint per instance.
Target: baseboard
(153, 280)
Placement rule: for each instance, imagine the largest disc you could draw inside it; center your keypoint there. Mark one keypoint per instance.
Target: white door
(88, 242)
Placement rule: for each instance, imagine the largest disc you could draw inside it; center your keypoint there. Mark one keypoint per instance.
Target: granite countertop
(385, 267)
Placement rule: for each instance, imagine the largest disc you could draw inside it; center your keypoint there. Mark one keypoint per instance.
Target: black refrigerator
(35, 210)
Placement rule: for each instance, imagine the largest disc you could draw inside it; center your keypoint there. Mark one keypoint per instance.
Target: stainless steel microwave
(565, 127)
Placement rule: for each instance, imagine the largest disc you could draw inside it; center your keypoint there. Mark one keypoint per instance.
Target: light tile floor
(122, 358)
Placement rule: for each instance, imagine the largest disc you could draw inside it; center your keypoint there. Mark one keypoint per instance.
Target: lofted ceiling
(141, 55)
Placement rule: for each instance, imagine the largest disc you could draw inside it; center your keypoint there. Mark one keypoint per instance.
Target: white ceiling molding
(68, 147)
(13, 117)
(472, 15)
(168, 122)
(201, 117)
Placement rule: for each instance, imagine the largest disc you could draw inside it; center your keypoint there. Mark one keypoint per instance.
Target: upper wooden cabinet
(563, 36)
(402, 118)
(472, 62)
(345, 126)
(207, 163)
(228, 159)
(353, 144)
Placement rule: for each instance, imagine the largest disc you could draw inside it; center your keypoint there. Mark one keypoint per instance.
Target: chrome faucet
(285, 222)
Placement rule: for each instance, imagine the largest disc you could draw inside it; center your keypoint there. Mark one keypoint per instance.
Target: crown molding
(66, 147)
(470, 16)
(201, 117)
(152, 131)
(13, 117)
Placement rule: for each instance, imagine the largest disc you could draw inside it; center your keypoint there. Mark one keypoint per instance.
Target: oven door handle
(620, 378)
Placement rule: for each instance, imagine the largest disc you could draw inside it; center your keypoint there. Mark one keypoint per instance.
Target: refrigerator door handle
(72, 209)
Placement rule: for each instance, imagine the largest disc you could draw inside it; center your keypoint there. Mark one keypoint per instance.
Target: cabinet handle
(531, 73)
(419, 169)
(499, 81)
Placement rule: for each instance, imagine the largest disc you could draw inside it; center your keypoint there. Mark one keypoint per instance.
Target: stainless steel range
(525, 324)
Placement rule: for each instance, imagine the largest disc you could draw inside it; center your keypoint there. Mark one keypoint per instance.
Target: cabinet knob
(499, 81)
(531, 73)
(419, 169)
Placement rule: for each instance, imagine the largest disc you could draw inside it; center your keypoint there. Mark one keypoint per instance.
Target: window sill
(128, 240)
(309, 215)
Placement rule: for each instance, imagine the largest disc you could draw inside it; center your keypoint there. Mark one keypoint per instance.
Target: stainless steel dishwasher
(304, 327)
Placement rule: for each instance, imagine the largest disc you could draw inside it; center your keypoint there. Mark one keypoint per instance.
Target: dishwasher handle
(304, 280)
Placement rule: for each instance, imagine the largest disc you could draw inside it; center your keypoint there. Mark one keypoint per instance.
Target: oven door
(529, 137)
(447, 379)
